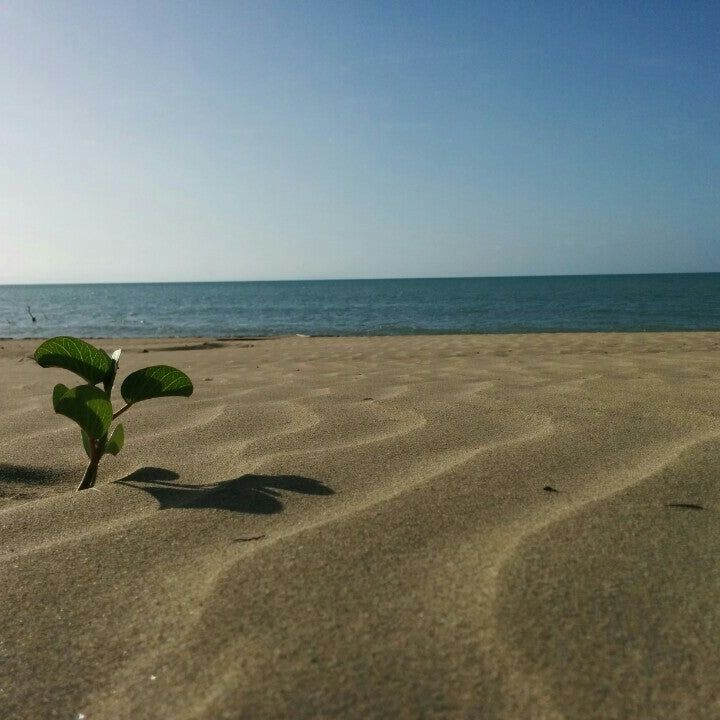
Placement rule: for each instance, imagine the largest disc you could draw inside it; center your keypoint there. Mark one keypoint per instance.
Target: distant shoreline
(211, 340)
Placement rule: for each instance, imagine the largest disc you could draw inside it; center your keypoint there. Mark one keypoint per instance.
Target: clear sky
(261, 140)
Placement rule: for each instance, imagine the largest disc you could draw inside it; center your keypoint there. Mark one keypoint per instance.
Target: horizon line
(356, 279)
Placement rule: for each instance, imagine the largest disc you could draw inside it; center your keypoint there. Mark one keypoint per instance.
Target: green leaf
(117, 439)
(154, 382)
(86, 443)
(75, 355)
(58, 391)
(87, 405)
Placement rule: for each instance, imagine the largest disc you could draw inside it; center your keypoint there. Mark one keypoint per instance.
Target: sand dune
(358, 527)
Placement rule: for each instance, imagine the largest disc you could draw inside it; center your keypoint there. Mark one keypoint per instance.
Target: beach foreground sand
(362, 528)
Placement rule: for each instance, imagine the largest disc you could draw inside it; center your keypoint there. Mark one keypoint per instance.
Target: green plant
(90, 406)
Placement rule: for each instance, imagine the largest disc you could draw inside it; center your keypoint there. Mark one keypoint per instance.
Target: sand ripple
(358, 528)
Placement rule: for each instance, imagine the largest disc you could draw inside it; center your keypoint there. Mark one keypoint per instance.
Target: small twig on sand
(248, 539)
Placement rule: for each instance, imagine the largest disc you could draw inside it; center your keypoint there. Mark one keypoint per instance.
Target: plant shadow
(257, 494)
(28, 475)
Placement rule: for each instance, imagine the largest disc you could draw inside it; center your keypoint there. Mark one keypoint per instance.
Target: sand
(508, 526)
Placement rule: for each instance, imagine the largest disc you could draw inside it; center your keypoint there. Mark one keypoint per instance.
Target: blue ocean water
(365, 307)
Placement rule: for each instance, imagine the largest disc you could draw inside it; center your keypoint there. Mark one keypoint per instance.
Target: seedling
(90, 406)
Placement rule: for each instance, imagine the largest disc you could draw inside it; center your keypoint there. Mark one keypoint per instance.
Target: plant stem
(121, 411)
(90, 473)
(97, 448)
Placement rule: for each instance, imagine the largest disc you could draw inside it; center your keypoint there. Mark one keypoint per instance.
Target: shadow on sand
(28, 475)
(259, 494)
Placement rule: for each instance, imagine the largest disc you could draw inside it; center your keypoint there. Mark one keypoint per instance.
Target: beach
(446, 526)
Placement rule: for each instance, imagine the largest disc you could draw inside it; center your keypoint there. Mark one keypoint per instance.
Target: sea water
(365, 307)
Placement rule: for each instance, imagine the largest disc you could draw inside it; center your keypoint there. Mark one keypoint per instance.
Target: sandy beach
(499, 526)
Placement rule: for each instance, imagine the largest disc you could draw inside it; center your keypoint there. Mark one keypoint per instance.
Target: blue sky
(222, 141)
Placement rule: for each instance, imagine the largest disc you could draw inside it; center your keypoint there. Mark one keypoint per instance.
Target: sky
(161, 141)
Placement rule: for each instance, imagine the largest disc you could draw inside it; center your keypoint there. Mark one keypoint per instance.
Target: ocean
(625, 303)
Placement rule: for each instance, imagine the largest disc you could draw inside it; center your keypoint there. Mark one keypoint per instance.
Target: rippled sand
(453, 526)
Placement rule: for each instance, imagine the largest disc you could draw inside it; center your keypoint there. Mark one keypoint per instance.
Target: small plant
(90, 406)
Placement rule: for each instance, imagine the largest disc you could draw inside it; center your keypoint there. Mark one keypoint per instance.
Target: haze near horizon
(168, 142)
